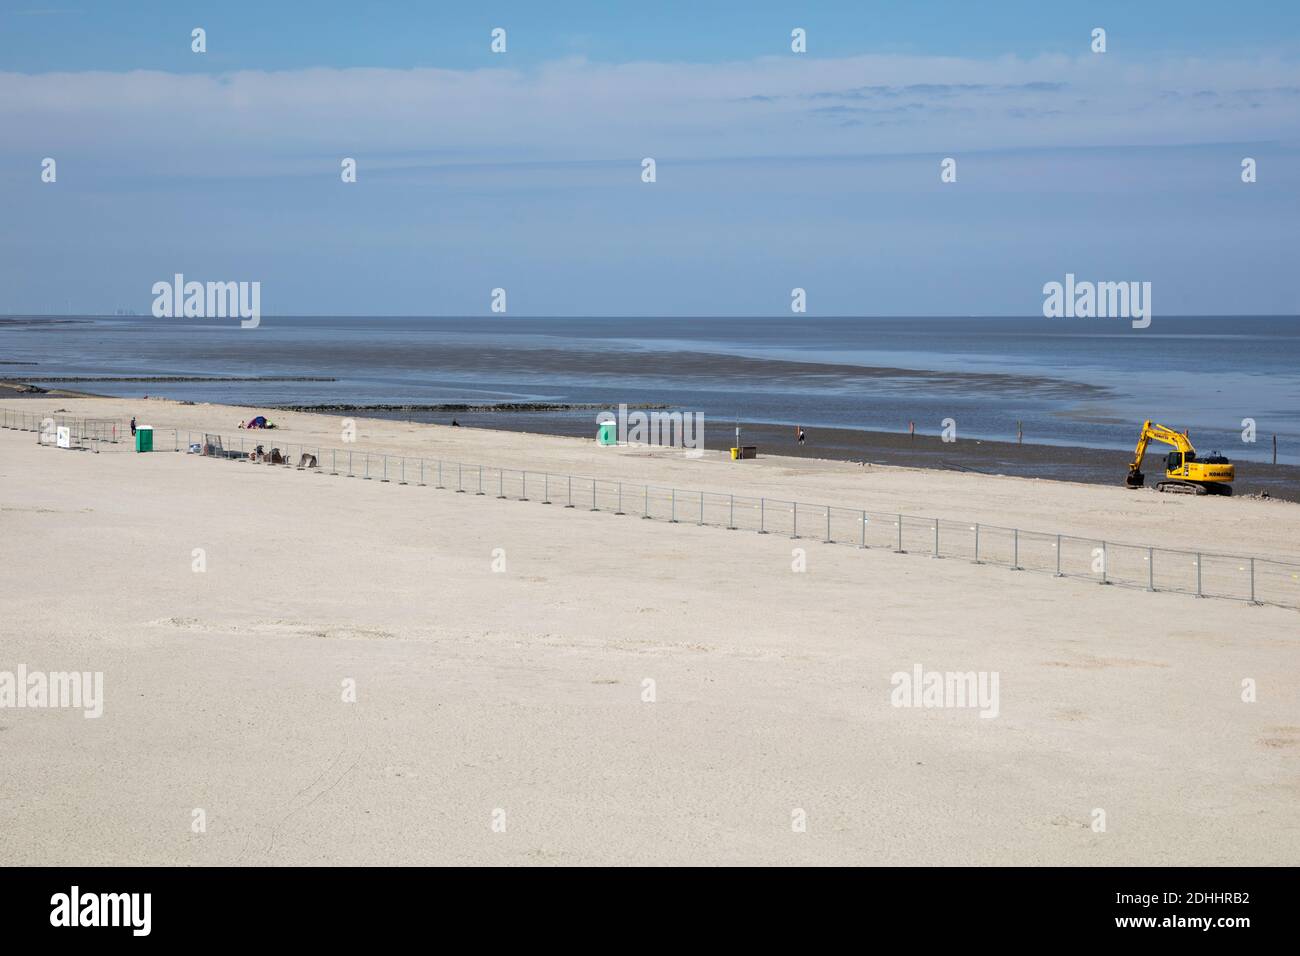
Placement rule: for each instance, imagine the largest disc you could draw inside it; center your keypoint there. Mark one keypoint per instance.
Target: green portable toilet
(608, 434)
(144, 438)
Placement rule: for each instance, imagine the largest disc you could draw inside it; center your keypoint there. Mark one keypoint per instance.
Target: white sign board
(64, 436)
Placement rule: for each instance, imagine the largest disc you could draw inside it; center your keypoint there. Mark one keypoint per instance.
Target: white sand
(523, 690)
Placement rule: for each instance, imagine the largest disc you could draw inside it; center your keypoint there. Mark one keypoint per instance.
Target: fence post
(646, 516)
(936, 538)
(620, 499)
(673, 513)
(1198, 575)
(1015, 549)
(593, 495)
(501, 481)
(385, 477)
(439, 484)
(460, 478)
(349, 463)
(523, 486)
(1252, 581)
(899, 549)
(1058, 557)
(977, 544)
(828, 524)
(546, 487)
(421, 472)
(701, 509)
(762, 516)
(1151, 569)
(570, 504)
(1103, 564)
(864, 530)
(402, 476)
(731, 515)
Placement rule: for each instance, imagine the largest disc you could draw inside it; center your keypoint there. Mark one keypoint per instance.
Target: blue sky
(775, 170)
(43, 35)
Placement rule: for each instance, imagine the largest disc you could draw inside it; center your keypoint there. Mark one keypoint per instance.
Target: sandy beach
(606, 689)
(1100, 466)
(1031, 458)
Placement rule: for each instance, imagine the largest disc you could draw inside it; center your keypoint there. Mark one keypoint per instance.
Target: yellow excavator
(1184, 472)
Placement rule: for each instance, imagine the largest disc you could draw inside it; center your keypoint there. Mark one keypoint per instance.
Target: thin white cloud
(256, 123)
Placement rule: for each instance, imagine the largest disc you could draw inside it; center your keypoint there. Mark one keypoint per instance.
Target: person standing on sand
(132, 426)
(799, 432)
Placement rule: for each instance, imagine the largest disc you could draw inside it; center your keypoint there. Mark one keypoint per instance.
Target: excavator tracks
(1193, 488)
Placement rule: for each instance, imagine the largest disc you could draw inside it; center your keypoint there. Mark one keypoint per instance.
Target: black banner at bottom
(337, 905)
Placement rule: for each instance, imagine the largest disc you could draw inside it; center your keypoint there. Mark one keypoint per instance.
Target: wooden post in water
(1275, 449)
(1020, 433)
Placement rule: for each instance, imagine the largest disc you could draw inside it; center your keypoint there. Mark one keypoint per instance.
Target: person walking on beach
(132, 426)
(799, 432)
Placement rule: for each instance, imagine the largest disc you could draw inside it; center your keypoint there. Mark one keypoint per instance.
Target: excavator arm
(1159, 433)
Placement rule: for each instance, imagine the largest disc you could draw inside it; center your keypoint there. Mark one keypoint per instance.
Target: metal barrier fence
(1203, 574)
(89, 433)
